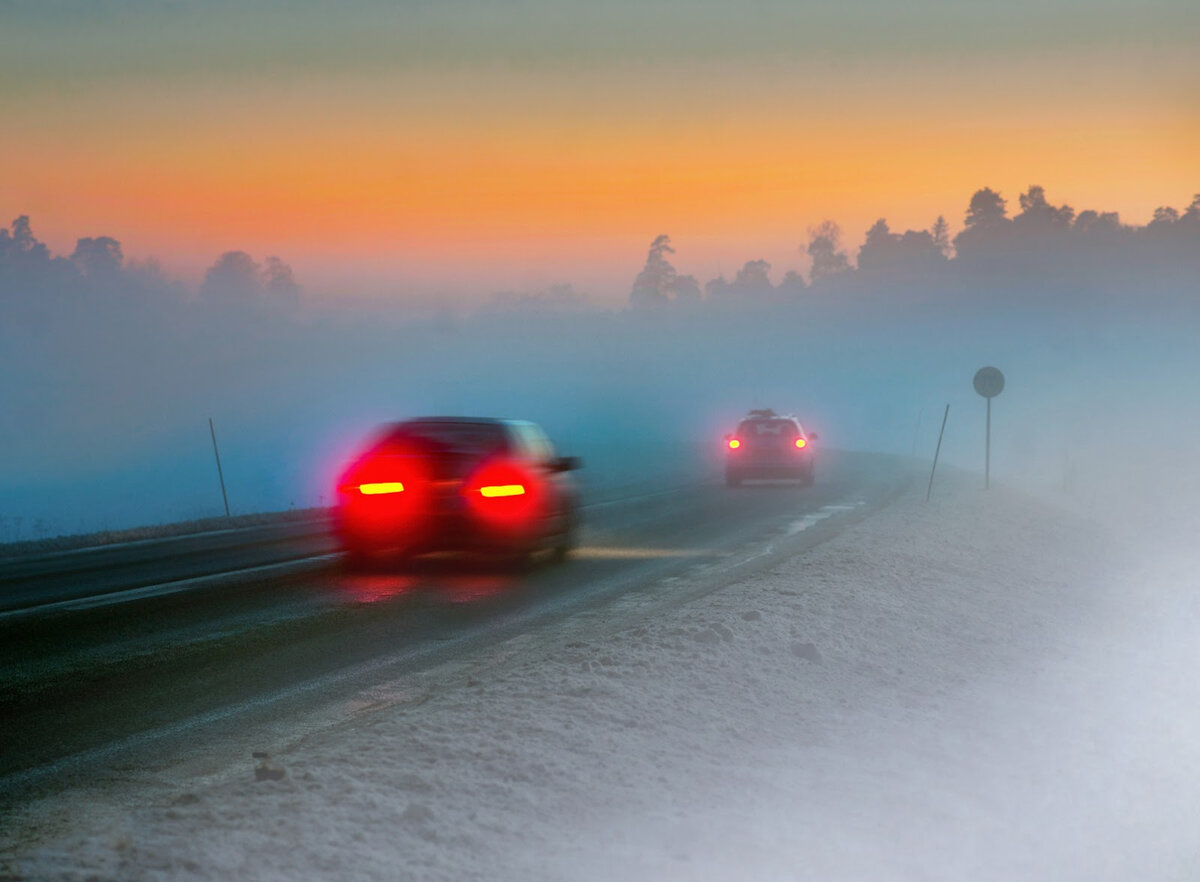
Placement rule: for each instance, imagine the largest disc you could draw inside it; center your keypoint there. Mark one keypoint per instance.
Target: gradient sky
(471, 147)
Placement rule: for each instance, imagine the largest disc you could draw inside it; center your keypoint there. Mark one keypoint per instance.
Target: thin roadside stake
(220, 476)
(929, 489)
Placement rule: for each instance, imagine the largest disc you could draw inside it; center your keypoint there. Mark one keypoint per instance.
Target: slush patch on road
(819, 515)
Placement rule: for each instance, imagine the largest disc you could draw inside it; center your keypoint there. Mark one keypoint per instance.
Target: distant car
(458, 483)
(769, 445)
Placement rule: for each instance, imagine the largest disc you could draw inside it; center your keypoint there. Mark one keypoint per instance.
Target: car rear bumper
(420, 532)
(797, 468)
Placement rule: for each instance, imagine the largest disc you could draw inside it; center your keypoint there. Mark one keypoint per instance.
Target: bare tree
(99, 257)
(653, 284)
(987, 208)
(941, 236)
(233, 279)
(827, 260)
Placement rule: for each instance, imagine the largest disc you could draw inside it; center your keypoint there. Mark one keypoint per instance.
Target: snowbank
(981, 688)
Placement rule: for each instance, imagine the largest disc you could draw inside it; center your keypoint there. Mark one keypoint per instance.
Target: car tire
(564, 544)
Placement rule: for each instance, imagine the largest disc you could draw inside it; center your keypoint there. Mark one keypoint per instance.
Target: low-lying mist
(1067, 746)
(111, 370)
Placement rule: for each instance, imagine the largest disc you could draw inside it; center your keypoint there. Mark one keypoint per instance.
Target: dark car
(769, 445)
(458, 483)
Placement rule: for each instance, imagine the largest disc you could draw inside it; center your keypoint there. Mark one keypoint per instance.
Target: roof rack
(762, 413)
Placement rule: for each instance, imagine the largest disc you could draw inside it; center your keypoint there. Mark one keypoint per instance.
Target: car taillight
(496, 490)
(503, 492)
(734, 443)
(379, 493)
(800, 442)
(380, 487)
(384, 480)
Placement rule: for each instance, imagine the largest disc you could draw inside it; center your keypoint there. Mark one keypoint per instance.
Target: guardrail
(67, 575)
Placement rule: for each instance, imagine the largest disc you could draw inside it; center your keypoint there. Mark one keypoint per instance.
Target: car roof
(768, 415)
(450, 419)
(462, 420)
(506, 424)
(765, 415)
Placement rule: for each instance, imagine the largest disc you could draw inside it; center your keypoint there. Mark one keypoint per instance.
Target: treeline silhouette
(1044, 250)
(1044, 254)
(38, 288)
(110, 369)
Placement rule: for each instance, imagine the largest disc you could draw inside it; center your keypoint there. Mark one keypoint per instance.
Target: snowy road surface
(982, 688)
(88, 685)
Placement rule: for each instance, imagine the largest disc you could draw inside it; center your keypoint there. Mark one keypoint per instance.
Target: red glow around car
(383, 488)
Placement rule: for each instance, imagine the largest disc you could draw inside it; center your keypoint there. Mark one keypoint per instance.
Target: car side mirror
(566, 464)
(813, 436)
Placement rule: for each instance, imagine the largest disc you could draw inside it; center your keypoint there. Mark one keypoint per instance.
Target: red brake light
(734, 444)
(504, 493)
(494, 490)
(800, 442)
(377, 493)
(383, 478)
(380, 487)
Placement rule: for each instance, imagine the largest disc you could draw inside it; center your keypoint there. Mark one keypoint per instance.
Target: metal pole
(987, 449)
(220, 476)
(929, 489)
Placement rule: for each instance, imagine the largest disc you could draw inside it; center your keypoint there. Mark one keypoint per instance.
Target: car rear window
(447, 439)
(767, 429)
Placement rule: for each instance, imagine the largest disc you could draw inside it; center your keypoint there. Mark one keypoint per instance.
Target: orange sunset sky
(464, 148)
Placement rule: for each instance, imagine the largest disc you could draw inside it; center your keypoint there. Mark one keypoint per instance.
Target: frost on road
(981, 688)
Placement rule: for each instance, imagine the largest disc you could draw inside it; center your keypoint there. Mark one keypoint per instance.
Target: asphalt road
(89, 686)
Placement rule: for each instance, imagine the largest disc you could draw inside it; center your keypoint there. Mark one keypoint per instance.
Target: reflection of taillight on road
(801, 443)
(503, 493)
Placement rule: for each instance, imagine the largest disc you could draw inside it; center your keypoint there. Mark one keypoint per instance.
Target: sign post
(989, 383)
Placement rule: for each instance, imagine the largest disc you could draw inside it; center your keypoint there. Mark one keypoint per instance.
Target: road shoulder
(913, 698)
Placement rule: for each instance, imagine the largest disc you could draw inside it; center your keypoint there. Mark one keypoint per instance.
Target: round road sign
(989, 382)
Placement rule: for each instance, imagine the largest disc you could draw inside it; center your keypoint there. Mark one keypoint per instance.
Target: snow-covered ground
(982, 688)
